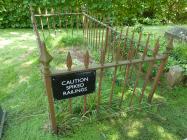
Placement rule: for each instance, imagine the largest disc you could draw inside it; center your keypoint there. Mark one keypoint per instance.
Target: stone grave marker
(179, 33)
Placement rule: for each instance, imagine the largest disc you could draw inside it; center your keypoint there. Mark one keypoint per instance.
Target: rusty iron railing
(117, 50)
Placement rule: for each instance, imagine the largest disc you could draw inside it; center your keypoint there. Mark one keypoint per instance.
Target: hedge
(16, 14)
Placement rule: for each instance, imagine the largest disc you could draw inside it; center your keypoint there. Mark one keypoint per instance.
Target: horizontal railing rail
(108, 65)
(56, 14)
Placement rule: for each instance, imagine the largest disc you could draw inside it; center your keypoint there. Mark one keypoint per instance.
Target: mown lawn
(22, 95)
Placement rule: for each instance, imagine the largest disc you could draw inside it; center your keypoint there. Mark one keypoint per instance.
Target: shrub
(16, 14)
(180, 55)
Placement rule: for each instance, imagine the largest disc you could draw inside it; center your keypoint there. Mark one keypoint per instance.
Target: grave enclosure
(110, 75)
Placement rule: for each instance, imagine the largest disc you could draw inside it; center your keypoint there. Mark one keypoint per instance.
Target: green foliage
(138, 28)
(180, 55)
(64, 40)
(71, 41)
(16, 14)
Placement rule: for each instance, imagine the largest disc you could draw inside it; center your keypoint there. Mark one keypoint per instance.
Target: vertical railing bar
(115, 68)
(113, 47)
(54, 27)
(90, 31)
(33, 20)
(41, 22)
(125, 41)
(100, 79)
(72, 22)
(138, 45)
(77, 20)
(86, 30)
(99, 41)
(91, 24)
(125, 82)
(86, 64)
(83, 24)
(96, 36)
(66, 20)
(47, 20)
(133, 54)
(140, 67)
(69, 65)
(102, 61)
(131, 46)
(96, 33)
(156, 48)
(120, 41)
(91, 34)
(109, 42)
(103, 30)
(160, 70)
(45, 59)
(106, 41)
(59, 17)
(109, 45)
(127, 70)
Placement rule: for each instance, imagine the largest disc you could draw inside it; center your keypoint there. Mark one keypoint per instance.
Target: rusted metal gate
(121, 51)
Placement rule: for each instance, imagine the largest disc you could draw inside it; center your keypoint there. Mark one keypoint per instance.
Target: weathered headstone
(175, 75)
(2, 120)
(179, 33)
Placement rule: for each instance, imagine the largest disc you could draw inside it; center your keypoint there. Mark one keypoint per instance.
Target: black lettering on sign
(73, 84)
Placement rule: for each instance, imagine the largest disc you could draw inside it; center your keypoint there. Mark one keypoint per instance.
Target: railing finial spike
(69, 61)
(45, 57)
(86, 59)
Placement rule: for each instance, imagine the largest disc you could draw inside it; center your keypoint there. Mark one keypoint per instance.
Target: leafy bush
(180, 55)
(16, 14)
(149, 21)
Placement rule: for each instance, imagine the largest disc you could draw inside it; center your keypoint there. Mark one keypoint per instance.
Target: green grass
(64, 39)
(22, 95)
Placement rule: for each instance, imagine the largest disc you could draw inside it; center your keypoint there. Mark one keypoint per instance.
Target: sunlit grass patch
(64, 40)
(22, 94)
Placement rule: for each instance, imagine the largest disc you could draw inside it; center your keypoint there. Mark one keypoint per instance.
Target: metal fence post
(45, 59)
(160, 70)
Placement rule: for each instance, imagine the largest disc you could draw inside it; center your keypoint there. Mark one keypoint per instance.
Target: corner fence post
(33, 20)
(161, 69)
(45, 59)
